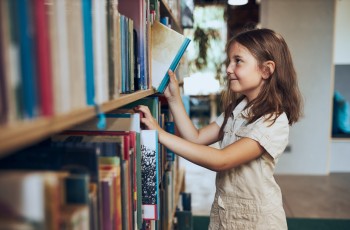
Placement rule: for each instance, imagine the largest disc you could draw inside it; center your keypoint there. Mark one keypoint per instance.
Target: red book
(42, 44)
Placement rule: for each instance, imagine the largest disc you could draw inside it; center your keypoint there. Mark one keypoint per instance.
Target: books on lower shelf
(128, 173)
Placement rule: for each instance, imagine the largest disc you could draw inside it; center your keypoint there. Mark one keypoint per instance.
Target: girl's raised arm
(188, 131)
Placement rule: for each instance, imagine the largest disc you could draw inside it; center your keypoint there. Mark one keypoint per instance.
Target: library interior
(76, 154)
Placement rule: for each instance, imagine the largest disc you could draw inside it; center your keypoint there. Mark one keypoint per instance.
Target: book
(27, 59)
(184, 220)
(74, 14)
(88, 51)
(110, 138)
(122, 120)
(170, 127)
(107, 185)
(10, 52)
(111, 164)
(168, 46)
(135, 10)
(59, 56)
(150, 175)
(42, 45)
(99, 26)
(31, 196)
(75, 217)
(77, 189)
(110, 8)
(117, 52)
(3, 88)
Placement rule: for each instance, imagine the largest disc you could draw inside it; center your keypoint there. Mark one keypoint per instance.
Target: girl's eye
(238, 61)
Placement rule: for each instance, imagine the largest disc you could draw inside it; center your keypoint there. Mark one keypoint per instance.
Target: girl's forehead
(238, 49)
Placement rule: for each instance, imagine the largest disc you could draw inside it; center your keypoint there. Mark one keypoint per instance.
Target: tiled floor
(303, 196)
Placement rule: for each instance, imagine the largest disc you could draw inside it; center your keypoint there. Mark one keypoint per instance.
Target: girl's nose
(229, 69)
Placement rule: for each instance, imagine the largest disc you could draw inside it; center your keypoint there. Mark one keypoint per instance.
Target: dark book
(27, 58)
(77, 189)
(184, 220)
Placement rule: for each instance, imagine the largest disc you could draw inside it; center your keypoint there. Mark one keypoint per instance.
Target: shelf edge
(22, 134)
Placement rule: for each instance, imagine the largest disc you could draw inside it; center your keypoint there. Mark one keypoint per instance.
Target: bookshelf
(20, 134)
(23, 134)
(165, 10)
(179, 187)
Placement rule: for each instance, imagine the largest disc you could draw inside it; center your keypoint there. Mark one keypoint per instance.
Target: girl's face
(243, 72)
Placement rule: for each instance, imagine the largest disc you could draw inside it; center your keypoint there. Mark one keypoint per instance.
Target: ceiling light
(237, 2)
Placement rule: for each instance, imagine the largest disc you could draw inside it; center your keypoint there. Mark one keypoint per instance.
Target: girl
(261, 102)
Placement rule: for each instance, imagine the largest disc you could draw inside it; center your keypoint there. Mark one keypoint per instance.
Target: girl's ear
(269, 68)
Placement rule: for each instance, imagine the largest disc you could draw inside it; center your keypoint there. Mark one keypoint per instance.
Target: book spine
(100, 51)
(3, 89)
(173, 66)
(27, 60)
(89, 51)
(76, 53)
(43, 58)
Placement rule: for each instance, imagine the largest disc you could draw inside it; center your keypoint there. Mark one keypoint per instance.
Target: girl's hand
(172, 91)
(148, 120)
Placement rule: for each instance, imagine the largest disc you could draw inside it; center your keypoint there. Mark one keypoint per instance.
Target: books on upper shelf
(168, 46)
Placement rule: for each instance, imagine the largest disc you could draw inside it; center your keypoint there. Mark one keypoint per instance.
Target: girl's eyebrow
(237, 56)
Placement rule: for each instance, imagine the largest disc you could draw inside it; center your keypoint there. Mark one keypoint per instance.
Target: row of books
(61, 55)
(54, 56)
(116, 178)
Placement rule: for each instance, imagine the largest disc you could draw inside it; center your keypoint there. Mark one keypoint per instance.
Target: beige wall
(308, 27)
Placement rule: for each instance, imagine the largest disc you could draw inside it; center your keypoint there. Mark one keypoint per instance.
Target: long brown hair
(280, 93)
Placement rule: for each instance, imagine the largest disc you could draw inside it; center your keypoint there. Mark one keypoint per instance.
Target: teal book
(89, 51)
(168, 47)
(27, 58)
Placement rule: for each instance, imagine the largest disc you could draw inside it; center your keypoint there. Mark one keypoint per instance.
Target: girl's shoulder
(272, 133)
(269, 121)
(272, 124)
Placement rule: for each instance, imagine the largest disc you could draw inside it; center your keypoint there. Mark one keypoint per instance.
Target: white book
(150, 174)
(99, 19)
(24, 195)
(59, 55)
(168, 46)
(76, 53)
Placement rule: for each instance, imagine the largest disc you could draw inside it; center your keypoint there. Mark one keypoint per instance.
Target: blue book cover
(89, 51)
(27, 58)
(168, 47)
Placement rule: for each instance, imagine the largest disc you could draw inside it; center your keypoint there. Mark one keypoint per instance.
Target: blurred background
(313, 171)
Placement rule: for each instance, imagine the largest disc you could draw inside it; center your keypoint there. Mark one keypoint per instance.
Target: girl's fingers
(145, 110)
(172, 76)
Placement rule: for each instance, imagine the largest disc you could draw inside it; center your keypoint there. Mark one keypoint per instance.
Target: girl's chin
(234, 89)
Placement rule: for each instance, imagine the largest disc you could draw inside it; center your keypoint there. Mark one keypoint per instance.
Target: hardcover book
(150, 175)
(168, 46)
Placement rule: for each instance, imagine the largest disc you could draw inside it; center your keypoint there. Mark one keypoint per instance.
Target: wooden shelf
(165, 10)
(179, 187)
(22, 134)
(341, 139)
